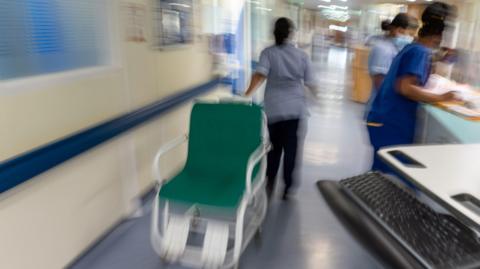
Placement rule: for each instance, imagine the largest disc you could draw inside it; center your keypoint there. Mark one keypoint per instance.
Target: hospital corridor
(242, 134)
(300, 233)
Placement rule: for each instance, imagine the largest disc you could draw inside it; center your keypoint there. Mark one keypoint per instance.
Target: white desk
(449, 170)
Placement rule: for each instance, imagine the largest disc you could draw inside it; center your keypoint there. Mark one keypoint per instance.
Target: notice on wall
(135, 22)
(173, 22)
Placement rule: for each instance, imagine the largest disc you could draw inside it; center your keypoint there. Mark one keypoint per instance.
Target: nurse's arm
(408, 87)
(255, 82)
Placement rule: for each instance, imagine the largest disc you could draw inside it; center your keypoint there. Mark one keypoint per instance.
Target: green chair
(220, 191)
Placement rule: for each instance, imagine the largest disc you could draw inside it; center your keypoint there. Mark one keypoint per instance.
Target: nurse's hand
(451, 96)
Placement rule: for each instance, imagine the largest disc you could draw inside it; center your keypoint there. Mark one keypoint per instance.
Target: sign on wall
(135, 22)
(173, 22)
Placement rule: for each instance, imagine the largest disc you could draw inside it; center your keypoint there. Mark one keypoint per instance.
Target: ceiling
(313, 4)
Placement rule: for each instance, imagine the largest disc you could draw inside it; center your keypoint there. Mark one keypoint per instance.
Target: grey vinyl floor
(301, 233)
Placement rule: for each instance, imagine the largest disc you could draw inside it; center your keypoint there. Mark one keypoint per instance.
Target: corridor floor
(301, 233)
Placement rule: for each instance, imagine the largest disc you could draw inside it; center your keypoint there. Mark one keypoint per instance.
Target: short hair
(402, 20)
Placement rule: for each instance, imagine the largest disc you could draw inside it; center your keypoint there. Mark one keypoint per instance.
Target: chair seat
(221, 140)
(221, 191)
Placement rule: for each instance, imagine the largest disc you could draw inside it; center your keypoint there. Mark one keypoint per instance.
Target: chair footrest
(176, 236)
(215, 245)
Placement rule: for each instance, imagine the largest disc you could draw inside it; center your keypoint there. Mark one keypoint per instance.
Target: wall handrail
(25, 166)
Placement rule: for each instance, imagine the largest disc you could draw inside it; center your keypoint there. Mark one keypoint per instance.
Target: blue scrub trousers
(384, 136)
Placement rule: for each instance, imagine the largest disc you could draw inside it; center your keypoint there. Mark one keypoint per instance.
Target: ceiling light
(264, 8)
(323, 6)
(339, 7)
(335, 15)
(338, 28)
(179, 5)
(333, 7)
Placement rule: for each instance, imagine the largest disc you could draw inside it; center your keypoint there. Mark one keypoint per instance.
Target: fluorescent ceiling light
(333, 7)
(338, 28)
(264, 8)
(179, 5)
(335, 15)
(323, 6)
(328, 1)
(339, 7)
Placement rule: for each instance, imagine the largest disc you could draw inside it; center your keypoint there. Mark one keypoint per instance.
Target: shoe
(286, 196)
(269, 191)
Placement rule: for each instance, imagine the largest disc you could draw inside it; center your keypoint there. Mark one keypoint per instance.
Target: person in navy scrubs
(392, 118)
(384, 51)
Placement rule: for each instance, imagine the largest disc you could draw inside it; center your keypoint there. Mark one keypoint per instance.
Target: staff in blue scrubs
(384, 51)
(392, 118)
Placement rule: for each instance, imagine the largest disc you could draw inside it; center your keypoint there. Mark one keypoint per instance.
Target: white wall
(48, 221)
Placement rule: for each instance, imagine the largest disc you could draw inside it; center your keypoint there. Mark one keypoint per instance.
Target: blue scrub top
(381, 57)
(392, 109)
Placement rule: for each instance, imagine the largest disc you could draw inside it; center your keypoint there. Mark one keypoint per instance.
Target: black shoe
(286, 196)
(269, 191)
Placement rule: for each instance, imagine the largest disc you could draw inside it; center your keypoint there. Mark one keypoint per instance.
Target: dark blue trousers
(385, 136)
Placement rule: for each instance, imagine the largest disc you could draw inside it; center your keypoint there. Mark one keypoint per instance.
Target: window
(45, 36)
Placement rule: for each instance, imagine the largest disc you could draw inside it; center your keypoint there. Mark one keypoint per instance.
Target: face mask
(402, 40)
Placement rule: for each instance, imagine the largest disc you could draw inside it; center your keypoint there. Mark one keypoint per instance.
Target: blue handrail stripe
(28, 165)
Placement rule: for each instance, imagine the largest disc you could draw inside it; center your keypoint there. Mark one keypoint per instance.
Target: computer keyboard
(436, 240)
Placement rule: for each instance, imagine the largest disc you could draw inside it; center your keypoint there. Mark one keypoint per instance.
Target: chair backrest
(222, 138)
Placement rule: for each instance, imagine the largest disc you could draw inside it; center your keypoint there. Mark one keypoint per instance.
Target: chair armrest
(253, 160)
(162, 151)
